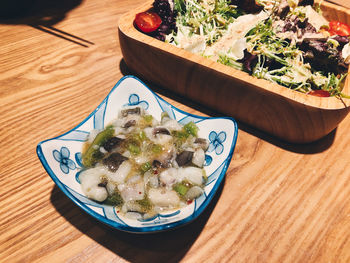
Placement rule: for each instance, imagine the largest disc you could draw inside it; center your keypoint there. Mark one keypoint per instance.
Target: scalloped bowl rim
(128, 228)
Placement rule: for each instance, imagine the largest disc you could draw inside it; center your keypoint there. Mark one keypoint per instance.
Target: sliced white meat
(91, 181)
(163, 198)
(122, 172)
(169, 177)
(198, 157)
(172, 125)
(194, 192)
(132, 192)
(192, 174)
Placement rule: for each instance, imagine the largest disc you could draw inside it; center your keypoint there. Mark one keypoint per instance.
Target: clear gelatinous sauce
(144, 166)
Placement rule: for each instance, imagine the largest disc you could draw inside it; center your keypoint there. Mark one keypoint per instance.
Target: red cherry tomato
(339, 28)
(147, 21)
(319, 93)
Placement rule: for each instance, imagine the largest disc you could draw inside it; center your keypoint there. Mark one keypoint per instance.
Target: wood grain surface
(280, 202)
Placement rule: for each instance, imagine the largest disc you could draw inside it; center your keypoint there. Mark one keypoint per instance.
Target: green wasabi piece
(148, 119)
(134, 148)
(181, 189)
(145, 204)
(115, 199)
(156, 148)
(93, 154)
(145, 167)
(191, 128)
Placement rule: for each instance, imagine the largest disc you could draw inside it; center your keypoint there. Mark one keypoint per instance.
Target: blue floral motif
(216, 142)
(62, 157)
(78, 160)
(134, 100)
(208, 160)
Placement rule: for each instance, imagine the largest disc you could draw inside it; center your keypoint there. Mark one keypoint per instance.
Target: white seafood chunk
(151, 179)
(134, 179)
(90, 180)
(158, 138)
(111, 188)
(142, 158)
(163, 198)
(122, 172)
(162, 139)
(198, 157)
(149, 132)
(169, 177)
(192, 174)
(131, 192)
(167, 158)
(194, 192)
(172, 125)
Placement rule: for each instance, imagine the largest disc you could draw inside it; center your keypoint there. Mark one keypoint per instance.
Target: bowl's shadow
(167, 246)
(307, 148)
(41, 15)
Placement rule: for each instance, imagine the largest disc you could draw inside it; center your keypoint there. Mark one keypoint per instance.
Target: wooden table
(279, 202)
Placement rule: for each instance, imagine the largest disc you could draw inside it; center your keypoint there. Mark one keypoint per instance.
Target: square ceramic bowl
(61, 156)
(287, 114)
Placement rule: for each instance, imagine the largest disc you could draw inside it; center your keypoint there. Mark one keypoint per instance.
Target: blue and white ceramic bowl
(61, 156)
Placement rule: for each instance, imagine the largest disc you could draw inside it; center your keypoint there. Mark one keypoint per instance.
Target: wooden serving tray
(289, 115)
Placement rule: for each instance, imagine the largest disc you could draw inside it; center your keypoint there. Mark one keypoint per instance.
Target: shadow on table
(167, 246)
(308, 148)
(41, 15)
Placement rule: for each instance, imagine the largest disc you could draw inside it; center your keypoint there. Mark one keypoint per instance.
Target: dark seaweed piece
(103, 184)
(203, 143)
(156, 164)
(161, 164)
(184, 158)
(130, 123)
(306, 2)
(112, 143)
(126, 112)
(160, 130)
(114, 161)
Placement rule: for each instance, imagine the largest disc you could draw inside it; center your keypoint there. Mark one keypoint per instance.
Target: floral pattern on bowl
(61, 156)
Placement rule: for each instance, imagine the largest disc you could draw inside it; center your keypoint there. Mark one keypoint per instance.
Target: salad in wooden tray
(280, 66)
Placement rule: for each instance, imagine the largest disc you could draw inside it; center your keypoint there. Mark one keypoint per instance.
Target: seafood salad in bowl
(144, 166)
(139, 164)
